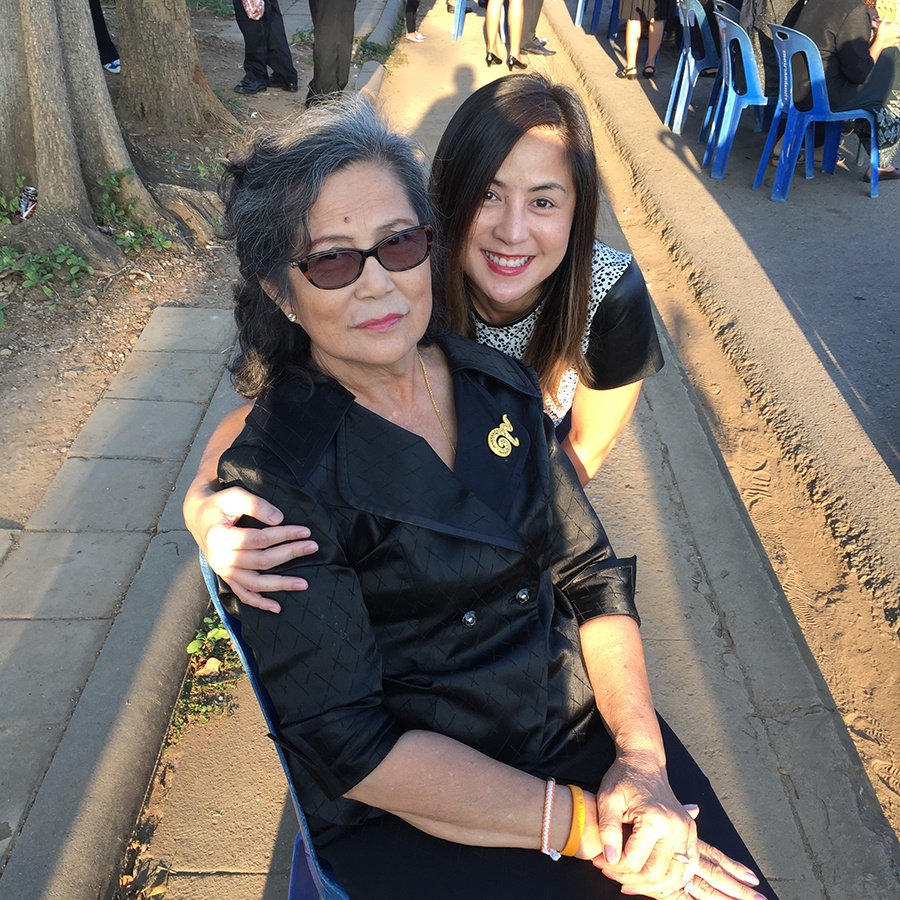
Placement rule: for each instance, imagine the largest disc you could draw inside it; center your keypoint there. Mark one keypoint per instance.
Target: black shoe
(248, 85)
(513, 63)
(276, 81)
(538, 50)
(492, 60)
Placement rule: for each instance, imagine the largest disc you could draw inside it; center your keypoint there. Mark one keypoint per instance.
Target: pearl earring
(292, 317)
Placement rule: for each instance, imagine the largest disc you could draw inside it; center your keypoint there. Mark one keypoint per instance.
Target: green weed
(131, 234)
(39, 270)
(9, 206)
(213, 671)
(213, 170)
(229, 101)
(302, 38)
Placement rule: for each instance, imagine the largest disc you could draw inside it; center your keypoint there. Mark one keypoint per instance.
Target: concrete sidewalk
(101, 593)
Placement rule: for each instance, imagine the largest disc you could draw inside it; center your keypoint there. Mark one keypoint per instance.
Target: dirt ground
(57, 358)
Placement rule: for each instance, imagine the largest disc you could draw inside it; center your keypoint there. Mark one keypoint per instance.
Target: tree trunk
(163, 85)
(58, 128)
(51, 160)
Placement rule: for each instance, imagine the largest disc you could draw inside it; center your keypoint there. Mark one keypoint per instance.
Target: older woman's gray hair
(269, 190)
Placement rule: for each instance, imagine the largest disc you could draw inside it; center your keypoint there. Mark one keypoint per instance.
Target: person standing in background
(531, 43)
(412, 33)
(655, 13)
(514, 18)
(333, 30)
(109, 55)
(265, 47)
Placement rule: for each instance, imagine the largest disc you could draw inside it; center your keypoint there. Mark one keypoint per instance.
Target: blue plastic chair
(310, 879)
(799, 124)
(691, 13)
(715, 95)
(727, 9)
(459, 19)
(613, 28)
(739, 72)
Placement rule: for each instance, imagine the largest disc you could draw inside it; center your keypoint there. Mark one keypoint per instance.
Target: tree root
(45, 233)
(197, 210)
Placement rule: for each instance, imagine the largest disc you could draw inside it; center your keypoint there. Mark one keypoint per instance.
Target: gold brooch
(500, 439)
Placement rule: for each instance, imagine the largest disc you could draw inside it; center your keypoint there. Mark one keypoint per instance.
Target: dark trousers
(332, 46)
(105, 45)
(265, 43)
(412, 7)
(388, 859)
(530, 16)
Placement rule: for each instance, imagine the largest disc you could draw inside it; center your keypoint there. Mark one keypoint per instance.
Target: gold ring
(681, 857)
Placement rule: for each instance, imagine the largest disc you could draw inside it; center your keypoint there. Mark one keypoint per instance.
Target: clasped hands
(640, 835)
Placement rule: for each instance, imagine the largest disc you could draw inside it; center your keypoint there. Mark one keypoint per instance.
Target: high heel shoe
(492, 60)
(513, 63)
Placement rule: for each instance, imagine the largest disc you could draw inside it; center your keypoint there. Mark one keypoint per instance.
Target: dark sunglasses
(333, 269)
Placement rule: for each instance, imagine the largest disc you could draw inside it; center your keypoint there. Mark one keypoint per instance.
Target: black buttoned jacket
(440, 600)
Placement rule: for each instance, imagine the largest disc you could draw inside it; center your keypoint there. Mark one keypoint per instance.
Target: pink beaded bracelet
(545, 824)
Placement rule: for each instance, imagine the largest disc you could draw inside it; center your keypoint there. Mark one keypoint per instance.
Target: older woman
(468, 636)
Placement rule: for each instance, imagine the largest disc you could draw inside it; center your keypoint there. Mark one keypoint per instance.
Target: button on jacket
(440, 600)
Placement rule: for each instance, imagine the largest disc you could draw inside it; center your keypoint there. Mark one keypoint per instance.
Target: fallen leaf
(210, 667)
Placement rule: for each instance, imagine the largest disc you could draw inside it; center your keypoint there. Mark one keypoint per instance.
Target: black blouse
(440, 600)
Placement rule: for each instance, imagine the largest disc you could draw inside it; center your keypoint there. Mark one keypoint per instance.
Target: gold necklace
(434, 403)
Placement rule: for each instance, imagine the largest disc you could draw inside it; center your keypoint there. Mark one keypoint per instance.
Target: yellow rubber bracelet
(577, 830)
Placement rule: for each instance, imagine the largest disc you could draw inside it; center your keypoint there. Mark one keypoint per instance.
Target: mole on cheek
(346, 219)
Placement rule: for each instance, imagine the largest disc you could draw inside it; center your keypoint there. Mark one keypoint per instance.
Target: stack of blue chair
(799, 124)
(732, 12)
(310, 879)
(741, 88)
(691, 14)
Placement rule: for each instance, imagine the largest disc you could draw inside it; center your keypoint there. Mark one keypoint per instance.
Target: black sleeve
(318, 658)
(584, 567)
(852, 40)
(623, 345)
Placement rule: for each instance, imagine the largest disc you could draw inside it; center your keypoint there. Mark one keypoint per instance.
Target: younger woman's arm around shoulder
(623, 349)
(598, 418)
(241, 556)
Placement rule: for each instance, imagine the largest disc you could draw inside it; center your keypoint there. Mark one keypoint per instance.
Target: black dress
(647, 9)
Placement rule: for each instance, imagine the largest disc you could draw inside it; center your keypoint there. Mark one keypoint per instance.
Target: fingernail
(628, 891)
(750, 878)
(691, 807)
(611, 854)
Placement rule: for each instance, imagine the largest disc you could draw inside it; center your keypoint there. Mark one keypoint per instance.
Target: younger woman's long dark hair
(476, 142)
(269, 190)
